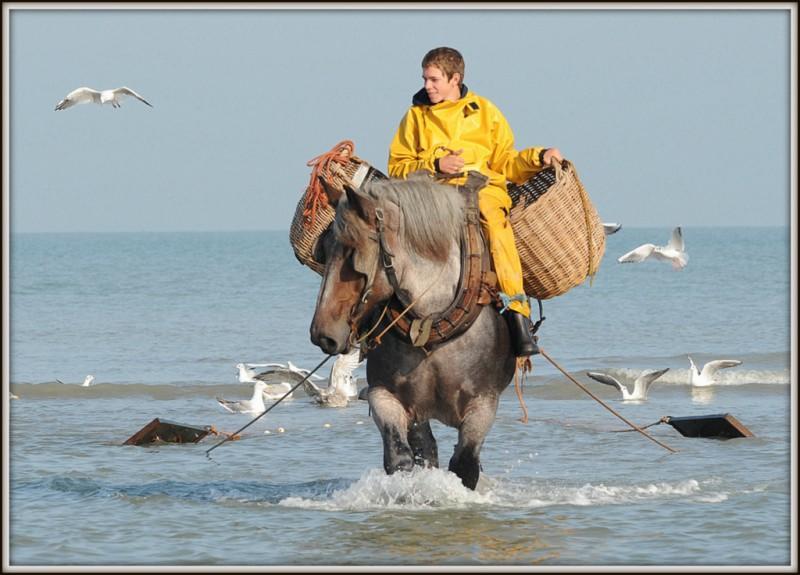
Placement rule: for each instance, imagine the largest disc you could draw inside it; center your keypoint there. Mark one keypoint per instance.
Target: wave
(176, 390)
(164, 391)
(417, 490)
(423, 489)
(731, 376)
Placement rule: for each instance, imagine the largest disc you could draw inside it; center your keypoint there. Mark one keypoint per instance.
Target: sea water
(161, 319)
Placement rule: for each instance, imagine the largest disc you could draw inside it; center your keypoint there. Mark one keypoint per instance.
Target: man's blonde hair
(448, 60)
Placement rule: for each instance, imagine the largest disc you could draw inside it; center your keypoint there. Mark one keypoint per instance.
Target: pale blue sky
(672, 117)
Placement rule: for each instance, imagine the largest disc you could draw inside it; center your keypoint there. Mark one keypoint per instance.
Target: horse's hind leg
(392, 422)
(423, 444)
(466, 461)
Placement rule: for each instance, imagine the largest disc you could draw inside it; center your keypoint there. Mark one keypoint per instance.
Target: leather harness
(477, 283)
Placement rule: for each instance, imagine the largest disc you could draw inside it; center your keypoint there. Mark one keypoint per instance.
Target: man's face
(438, 87)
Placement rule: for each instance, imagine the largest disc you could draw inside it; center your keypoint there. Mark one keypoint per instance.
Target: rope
(360, 339)
(524, 365)
(538, 324)
(377, 338)
(236, 433)
(664, 419)
(601, 402)
(507, 299)
(321, 167)
(232, 436)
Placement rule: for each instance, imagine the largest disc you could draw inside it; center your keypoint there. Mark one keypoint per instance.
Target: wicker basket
(558, 233)
(304, 232)
(313, 214)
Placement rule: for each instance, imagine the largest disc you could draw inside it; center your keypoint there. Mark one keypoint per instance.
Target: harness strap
(476, 283)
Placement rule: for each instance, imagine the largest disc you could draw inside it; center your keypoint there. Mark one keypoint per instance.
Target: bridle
(476, 285)
(384, 260)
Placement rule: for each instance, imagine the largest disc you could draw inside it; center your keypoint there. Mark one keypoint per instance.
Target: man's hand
(550, 155)
(452, 163)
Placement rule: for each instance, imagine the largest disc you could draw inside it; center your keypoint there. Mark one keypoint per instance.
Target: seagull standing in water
(673, 252)
(86, 95)
(253, 405)
(275, 386)
(706, 376)
(341, 387)
(640, 385)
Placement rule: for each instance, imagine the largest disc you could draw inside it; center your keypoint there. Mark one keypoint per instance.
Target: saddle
(477, 283)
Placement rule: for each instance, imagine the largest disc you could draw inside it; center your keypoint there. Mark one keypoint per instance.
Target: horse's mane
(433, 212)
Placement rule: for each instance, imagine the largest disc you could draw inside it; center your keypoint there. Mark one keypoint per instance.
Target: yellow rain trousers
(476, 125)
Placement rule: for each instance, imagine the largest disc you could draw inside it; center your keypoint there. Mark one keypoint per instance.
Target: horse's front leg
(423, 444)
(393, 422)
(466, 461)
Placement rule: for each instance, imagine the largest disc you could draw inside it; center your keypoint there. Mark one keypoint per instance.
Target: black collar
(421, 97)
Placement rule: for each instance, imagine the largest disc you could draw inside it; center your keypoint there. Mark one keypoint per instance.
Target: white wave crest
(423, 489)
(414, 490)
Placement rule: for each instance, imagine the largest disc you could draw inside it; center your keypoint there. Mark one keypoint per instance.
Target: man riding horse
(450, 130)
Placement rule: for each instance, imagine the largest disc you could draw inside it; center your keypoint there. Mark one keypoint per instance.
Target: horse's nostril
(328, 345)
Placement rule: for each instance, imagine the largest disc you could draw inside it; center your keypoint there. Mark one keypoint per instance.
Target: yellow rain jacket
(474, 124)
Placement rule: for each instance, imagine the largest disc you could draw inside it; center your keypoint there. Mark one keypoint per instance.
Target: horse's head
(355, 249)
(386, 237)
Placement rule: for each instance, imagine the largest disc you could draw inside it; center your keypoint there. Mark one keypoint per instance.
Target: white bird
(86, 382)
(253, 405)
(275, 385)
(640, 385)
(342, 386)
(706, 376)
(673, 252)
(86, 95)
(611, 228)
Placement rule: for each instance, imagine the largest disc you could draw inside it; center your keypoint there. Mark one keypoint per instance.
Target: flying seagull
(611, 228)
(85, 95)
(640, 385)
(672, 252)
(705, 377)
(342, 386)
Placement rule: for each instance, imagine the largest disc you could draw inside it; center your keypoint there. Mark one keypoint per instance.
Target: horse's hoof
(400, 464)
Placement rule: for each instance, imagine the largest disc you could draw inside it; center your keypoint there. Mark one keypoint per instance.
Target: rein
(475, 284)
(360, 340)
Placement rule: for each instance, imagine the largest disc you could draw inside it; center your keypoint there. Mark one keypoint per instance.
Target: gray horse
(411, 228)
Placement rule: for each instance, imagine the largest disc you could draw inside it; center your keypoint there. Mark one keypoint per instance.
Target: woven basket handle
(559, 168)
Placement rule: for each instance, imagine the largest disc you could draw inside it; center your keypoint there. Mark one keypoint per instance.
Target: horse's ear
(332, 193)
(363, 204)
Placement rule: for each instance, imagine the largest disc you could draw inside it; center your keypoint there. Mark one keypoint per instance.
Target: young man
(450, 130)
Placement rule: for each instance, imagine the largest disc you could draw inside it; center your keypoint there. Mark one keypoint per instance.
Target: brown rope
(231, 436)
(664, 419)
(600, 401)
(524, 365)
(377, 339)
(321, 166)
